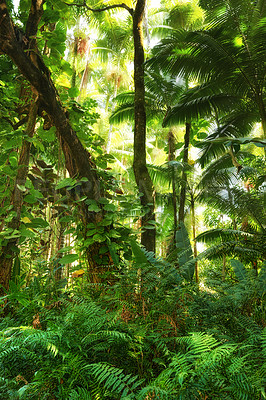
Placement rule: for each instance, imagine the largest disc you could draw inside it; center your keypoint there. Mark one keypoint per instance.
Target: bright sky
(155, 3)
(16, 4)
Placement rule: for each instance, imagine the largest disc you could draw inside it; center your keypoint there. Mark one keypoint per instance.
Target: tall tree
(141, 173)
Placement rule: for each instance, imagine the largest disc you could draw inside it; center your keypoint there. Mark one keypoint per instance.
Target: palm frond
(162, 174)
(221, 234)
(219, 173)
(237, 202)
(201, 107)
(123, 113)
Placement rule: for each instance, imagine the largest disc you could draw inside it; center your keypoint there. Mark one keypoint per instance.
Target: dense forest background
(132, 185)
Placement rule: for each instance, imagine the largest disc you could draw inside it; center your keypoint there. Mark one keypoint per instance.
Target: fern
(208, 367)
(113, 379)
(154, 392)
(79, 394)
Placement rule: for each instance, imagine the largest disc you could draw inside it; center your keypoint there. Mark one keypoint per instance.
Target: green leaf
(9, 171)
(37, 223)
(66, 218)
(99, 238)
(113, 253)
(21, 188)
(88, 242)
(65, 182)
(30, 199)
(73, 92)
(14, 235)
(10, 144)
(48, 136)
(26, 232)
(13, 158)
(103, 249)
(109, 207)
(7, 231)
(114, 234)
(69, 258)
(36, 193)
(103, 200)
(67, 248)
(91, 232)
(94, 207)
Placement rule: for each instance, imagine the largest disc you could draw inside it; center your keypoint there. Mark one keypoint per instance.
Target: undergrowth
(153, 335)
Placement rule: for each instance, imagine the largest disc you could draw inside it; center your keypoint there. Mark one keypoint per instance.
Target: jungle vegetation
(132, 193)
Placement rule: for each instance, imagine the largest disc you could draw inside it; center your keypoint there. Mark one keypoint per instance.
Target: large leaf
(65, 183)
(69, 258)
(37, 223)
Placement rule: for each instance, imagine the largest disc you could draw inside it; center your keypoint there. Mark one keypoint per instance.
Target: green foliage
(79, 394)
(135, 326)
(205, 366)
(130, 352)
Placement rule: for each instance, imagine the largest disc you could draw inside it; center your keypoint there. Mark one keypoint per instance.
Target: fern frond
(113, 379)
(79, 394)
(154, 392)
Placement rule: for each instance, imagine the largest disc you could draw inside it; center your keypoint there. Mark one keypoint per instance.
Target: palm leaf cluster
(226, 60)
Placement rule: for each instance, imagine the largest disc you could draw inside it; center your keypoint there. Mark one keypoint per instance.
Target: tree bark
(182, 201)
(59, 246)
(142, 176)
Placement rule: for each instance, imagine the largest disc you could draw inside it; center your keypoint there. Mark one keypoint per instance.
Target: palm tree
(161, 94)
(222, 189)
(227, 59)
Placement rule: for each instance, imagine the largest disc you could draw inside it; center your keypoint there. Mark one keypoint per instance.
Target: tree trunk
(195, 253)
(59, 245)
(142, 176)
(182, 201)
(171, 157)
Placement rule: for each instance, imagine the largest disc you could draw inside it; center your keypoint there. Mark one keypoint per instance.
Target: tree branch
(18, 124)
(110, 7)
